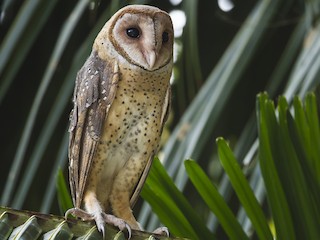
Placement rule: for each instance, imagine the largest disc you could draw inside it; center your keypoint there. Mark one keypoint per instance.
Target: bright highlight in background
(175, 2)
(179, 21)
(225, 5)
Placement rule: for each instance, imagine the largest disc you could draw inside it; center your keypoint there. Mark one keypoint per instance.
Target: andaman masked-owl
(121, 102)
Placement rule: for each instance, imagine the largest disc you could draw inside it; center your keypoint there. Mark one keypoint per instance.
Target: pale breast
(133, 125)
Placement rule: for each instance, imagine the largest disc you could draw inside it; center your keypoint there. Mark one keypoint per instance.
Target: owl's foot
(79, 213)
(100, 220)
(117, 222)
(163, 231)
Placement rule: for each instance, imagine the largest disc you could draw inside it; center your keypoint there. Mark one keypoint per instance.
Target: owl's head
(143, 35)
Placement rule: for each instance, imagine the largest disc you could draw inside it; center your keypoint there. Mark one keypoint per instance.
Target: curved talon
(129, 230)
(162, 231)
(101, 228)
(69, 212)
(77, 212)
(117, 222)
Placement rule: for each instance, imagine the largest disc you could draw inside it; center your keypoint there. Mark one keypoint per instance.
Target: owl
(121, 102)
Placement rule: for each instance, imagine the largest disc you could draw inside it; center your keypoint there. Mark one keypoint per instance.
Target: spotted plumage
(121, 102)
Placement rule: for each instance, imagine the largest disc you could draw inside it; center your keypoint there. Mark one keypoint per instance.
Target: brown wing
(164, 117)
(94, 92)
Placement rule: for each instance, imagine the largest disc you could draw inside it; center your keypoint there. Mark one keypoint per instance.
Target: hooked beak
(151, 57)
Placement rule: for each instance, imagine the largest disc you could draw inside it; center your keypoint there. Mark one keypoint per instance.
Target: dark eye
(165, 37)
(133, 32)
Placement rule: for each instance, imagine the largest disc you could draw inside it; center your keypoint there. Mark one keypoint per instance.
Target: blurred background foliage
(228, 52)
